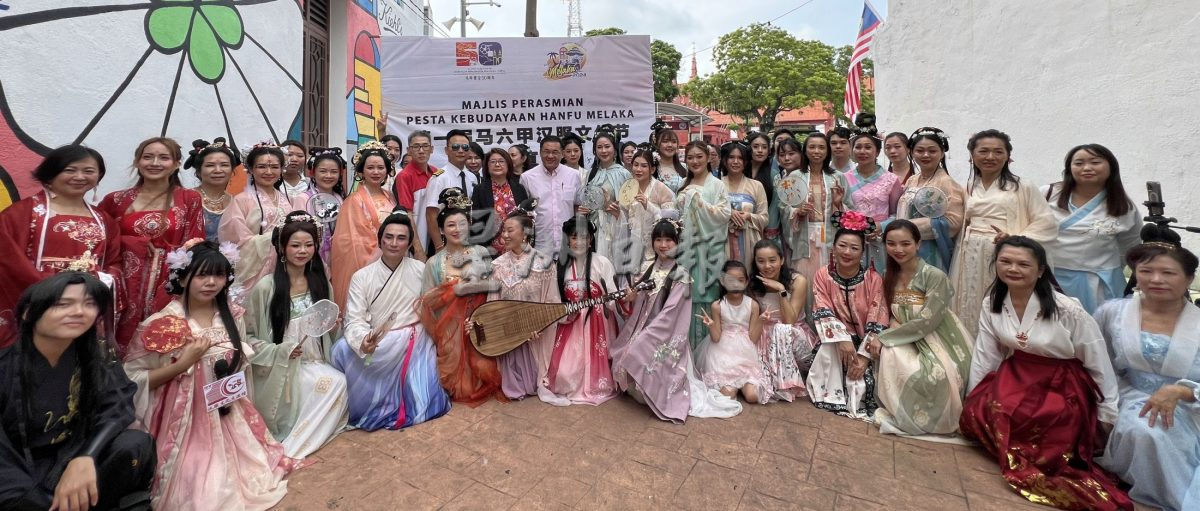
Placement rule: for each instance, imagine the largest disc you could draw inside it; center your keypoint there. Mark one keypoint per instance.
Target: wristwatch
(784, 293)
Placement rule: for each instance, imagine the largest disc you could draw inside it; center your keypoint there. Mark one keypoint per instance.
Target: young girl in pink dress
(728, 360)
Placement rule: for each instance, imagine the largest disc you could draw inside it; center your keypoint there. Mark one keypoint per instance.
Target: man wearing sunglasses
(453, 175)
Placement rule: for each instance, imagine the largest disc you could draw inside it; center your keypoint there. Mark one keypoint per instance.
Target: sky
(681, 23)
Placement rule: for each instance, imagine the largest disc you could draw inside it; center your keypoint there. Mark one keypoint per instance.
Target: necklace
(1022, 336)
(216, 205)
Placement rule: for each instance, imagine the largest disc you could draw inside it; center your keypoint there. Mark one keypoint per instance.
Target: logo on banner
(468, 54)
(568, 61)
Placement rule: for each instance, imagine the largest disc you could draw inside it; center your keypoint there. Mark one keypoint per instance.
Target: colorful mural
(109, 73)
(366, 20)
(363, 95)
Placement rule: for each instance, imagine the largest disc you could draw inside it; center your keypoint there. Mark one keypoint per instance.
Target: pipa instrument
(500, 326)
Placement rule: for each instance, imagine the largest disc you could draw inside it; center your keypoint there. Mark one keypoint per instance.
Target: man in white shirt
(458, 146)
(554, 186)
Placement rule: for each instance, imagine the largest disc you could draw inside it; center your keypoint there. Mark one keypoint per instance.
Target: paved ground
(529, 455)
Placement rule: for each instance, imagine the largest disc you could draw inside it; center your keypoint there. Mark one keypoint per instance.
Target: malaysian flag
(866, 35)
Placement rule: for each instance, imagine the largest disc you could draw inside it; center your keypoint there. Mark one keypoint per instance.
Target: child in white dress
(732, 363)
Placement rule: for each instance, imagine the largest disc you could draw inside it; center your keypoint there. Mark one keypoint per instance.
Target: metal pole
(462, 17)
(531, 18)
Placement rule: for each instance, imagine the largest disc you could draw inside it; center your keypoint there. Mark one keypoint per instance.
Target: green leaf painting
(204, 28)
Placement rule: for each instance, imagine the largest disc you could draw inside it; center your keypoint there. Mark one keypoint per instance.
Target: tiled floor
(529, 455)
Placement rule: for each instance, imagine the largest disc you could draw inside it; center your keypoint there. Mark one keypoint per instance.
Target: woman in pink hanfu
(579, 369)
(218, 459)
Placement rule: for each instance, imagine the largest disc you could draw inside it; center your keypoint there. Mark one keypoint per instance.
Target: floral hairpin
(932, 132)
(269, 144)
(317, 152)
(854, 221)
(1162, 244)
(371, 148)
(300, 218)
(672, 217)
(528, 208)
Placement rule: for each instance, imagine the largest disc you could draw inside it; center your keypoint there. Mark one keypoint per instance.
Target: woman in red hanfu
(56, 230)
(156, 216)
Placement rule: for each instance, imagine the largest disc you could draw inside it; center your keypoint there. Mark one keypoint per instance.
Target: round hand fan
(930, 202)
(793, 189)
(590, 197)
(324, 207)
(319, 318)
(628, 193)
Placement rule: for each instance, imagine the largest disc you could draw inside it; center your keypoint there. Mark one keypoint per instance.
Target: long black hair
(762, 173)
(805, 161)
(934, 135)
(756, 288)
(663, 228)
(279, 311)
(572, 138)
(207, 260)
(1006, 176)
(656, 135)
(612, 139)
(727, 150)
(695, 144)
(91, 351)
(1043, 288)
(571, 228)
(891, 275)
(1117, 203)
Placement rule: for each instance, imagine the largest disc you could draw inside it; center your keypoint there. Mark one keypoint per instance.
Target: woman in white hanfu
(999, 204)
(1094, 214)
(1154, 338)
(641, 198)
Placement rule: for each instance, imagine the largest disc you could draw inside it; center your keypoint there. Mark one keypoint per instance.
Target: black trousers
(124, 473)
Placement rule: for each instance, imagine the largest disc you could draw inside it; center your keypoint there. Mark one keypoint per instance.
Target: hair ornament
(317, 152)
(179, 258)
(371, 148)
(933, 132)
(230, 250)
(458, 202)
(527, 208)
(864, 126)
(670, 216)
(854, 221)
(269, 144)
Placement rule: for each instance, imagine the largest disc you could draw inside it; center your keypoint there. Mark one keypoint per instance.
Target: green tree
(664, 62)
(841, 62)
(763, 70)
(604, 31)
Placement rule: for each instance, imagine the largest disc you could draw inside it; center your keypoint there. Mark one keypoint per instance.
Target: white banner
(512, 90)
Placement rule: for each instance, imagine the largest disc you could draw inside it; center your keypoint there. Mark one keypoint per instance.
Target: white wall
(1053, 74)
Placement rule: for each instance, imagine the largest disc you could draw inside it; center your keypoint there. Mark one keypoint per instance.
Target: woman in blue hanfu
(1154, 339)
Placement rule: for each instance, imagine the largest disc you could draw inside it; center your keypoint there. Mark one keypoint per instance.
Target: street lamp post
(462, 18)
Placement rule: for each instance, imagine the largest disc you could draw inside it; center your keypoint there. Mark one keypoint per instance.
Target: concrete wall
(1052, 74)
(111, 78)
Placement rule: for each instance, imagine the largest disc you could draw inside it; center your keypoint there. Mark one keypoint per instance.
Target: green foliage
(664, 62)
(763, 70)
(604, 31)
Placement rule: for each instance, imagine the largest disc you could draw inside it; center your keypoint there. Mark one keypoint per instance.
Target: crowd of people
(339, 294)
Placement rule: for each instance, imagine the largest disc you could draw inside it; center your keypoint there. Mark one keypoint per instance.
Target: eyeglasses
(497, 162)
(420, 147)
(459, 147)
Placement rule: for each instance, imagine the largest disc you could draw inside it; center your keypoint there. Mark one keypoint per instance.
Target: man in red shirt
(413, 178)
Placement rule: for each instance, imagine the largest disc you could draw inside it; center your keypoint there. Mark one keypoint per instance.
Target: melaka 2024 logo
(568, 61)
(478, 54)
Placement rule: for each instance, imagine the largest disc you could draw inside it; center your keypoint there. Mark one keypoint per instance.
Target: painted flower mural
(109, 73)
